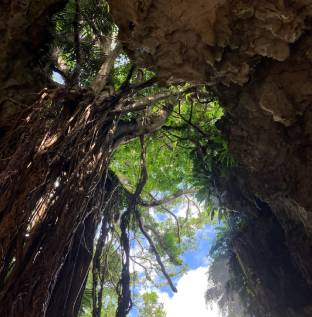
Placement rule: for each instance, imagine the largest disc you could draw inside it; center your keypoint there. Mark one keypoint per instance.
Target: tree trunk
(77, 161)
(24, 29)
(56, 153)
(50, 183)
(67, 294)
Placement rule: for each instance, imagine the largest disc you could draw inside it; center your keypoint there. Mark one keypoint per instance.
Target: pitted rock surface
(209, 40)
(257, 57)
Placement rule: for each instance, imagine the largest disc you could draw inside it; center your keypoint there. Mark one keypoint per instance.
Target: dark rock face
(278, 287)
(257, 56)
(24, 33)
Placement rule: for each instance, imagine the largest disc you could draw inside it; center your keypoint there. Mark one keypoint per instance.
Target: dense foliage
(180, 160)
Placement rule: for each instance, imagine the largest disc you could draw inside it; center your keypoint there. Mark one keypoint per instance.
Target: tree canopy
(154, 174)
(122, 155)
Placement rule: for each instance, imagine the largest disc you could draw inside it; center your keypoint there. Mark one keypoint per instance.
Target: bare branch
(127, 131)
(102, 77)
(176, 220)
(142, 266)
(160, 240)
(131, 90)
(167, 199)
(144, 103)
(144, 84)
(150, 100)
(158, 258)
(194, 126)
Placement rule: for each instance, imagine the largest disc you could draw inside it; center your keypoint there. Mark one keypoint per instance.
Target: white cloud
(190, 301)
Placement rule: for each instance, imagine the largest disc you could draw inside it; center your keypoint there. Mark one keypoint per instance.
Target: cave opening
(169, 153)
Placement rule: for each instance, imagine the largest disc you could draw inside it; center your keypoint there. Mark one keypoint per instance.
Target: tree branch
(130, 90)
(195, 127)
(167, 199)
(126, 83)
(158, 258)
(102, 77)
(150, 100)
(176, 220)
(124, 297)
(140, 186)
(127, 131)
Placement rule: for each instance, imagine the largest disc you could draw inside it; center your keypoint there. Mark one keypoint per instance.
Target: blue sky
(190, 301)
(57, 78)
(204, 240)
(198, 257)
(192, 285)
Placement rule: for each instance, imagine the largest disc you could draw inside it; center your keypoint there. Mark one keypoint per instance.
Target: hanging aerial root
(124, 295)
(123, 289)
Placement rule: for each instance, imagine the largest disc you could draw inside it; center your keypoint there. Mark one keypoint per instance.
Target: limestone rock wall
(209, 40)
(257, 57)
